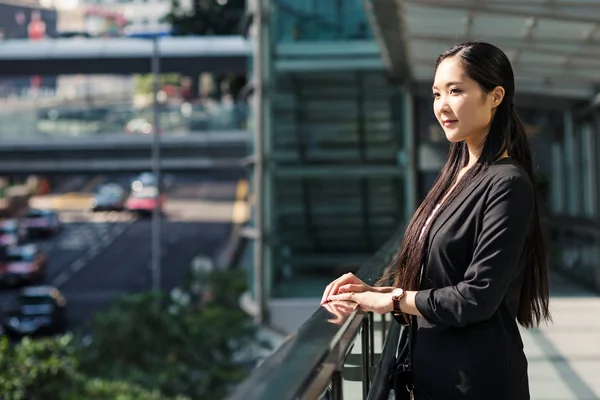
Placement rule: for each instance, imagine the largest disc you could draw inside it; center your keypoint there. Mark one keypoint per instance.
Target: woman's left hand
(380, 303)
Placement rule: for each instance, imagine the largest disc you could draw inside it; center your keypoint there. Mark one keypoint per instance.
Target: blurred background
(180, 179)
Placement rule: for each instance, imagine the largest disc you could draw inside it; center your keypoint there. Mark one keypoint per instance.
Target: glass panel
(576, 254)
(80, 106)
(328, 226)
(310, 20)
(586, 166)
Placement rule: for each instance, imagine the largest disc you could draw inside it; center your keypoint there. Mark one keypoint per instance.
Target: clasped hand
(348, 287)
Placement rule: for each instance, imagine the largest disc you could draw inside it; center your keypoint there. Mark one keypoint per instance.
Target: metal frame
(577, 56)
(310, 361)
(123, 55)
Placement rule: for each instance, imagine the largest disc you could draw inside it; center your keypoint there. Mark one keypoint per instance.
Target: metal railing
(122, 118)
(311, 363)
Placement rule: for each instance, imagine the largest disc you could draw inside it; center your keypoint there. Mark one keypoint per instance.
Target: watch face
(397, 293)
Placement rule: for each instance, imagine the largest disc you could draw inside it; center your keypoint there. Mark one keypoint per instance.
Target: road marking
(61, 279)
(77, 265)
(81, 262)
(94, 251)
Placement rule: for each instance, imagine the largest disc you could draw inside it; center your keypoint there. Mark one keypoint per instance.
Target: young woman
(472, 263)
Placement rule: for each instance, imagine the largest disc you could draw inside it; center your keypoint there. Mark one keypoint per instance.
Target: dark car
(109, 197)
(11, 232)
(22, 264)
(41, 223)
(38, 310)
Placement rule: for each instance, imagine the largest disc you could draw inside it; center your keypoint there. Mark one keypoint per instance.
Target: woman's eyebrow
(451, 83)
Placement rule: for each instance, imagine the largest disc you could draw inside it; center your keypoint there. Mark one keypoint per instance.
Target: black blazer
(467, 344)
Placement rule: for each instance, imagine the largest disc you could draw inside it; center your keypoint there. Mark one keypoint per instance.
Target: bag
(401, 376)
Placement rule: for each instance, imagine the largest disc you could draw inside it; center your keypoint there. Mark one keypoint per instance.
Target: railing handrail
(308, 358)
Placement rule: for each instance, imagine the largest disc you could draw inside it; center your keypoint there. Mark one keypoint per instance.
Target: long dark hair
(490, 68)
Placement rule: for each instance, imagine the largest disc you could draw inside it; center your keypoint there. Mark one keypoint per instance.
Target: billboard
(23, 22)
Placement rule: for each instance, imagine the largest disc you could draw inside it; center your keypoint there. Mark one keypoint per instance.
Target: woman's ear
(497, 96)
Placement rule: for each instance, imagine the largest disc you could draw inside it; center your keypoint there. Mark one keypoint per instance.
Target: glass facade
(312, 20)
(91, 112)
(338, 188)
(350, 156)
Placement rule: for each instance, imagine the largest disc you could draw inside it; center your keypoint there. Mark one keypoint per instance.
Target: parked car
(11, 232)
(38, 310)
(41, 223)
(22, 264)
(109, 197)
(148, 179)
(144, 200)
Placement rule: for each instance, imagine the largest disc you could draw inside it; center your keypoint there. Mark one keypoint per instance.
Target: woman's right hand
(344, 284)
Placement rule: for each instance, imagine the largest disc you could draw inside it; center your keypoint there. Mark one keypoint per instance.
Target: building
(346, 142)
(128, 17)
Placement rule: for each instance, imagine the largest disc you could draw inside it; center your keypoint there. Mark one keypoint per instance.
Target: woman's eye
(455, 91)
(435, 95)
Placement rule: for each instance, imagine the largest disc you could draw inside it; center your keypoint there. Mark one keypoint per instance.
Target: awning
(554, 46)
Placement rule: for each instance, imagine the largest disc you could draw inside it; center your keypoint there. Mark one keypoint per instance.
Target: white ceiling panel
(485, 26)
(426, 50)
(540, 58)
(561, 55)
(560, 29)
(433, 21)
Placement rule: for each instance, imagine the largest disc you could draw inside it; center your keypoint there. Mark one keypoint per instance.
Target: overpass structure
(66, 56)
(86, 137)
(119, 153)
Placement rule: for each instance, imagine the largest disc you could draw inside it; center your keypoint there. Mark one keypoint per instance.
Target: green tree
(176, 345)
(206, 17)
(210, 17)
(48, 369)
(144, 83)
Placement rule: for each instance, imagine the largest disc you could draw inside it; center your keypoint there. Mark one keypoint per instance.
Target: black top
(467, 345)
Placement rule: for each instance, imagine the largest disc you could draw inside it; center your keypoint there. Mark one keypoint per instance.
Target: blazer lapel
(443, 217)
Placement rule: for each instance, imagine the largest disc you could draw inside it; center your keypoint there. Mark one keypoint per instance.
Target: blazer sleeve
(506, 227)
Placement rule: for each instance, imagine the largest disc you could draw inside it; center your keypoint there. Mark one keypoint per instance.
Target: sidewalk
(564, 357)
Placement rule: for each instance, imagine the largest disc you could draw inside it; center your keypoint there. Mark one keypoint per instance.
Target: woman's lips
(450, 122)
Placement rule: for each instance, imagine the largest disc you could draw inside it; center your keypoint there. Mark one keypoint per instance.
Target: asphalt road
(99, 256)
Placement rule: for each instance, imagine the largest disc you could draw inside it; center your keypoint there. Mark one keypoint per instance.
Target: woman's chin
(453, 137)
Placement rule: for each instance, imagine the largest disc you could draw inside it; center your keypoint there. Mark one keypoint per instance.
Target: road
(99, 256)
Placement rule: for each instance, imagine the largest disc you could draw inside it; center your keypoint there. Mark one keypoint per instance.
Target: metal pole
(257, 98)
(156, 223)
(366, 375)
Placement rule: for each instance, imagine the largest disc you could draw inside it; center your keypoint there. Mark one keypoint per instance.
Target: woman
(472, 263)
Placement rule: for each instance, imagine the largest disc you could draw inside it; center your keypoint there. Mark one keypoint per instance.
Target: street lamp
(156, 216)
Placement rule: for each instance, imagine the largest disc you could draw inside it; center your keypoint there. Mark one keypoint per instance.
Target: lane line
(61, 279)
(77, 265)
(93, 252)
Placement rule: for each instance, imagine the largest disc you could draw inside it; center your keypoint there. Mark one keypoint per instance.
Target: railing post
(383, 328)
(371, 341)
(337, 392)
(365, 357)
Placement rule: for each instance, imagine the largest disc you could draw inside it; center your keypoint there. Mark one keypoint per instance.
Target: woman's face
(460, 106)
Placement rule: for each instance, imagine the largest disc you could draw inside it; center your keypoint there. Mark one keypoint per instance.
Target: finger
(333, 287)
(343, 280)
(329, 289)
(354, 297)
(351, 287)
(326, 293)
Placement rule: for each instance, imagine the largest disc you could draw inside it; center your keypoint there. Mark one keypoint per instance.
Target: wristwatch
(399, 316)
